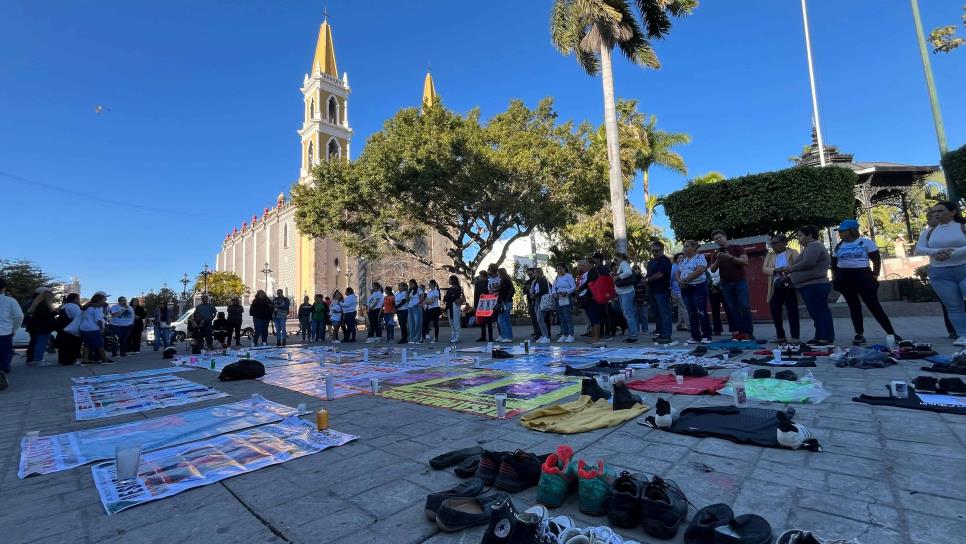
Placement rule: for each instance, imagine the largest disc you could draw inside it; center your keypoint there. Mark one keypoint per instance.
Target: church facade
(267, 251)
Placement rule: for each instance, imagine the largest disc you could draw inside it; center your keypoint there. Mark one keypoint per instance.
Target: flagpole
(811, 79)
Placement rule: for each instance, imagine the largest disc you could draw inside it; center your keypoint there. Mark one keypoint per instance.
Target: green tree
(708, 179)
(471, 183)
(222, 285)
(889, 224)
(944, 38)
(23, 277)
(152, 300)
(595, 233)
(591, 29)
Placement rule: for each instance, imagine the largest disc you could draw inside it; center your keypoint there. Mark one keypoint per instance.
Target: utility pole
(811, 79)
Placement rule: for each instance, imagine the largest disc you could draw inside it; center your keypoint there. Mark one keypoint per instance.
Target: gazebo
(879, 182)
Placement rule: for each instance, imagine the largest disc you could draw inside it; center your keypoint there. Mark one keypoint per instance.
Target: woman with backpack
(852, 278)
(68, 345)
(945, 244)
(40, 323)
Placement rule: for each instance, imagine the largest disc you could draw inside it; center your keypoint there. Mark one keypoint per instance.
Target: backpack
(602, 289)
(61, 320)
(243, 369)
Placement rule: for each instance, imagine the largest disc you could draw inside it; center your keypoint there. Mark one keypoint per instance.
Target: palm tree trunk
(613, 150)
(646, 182)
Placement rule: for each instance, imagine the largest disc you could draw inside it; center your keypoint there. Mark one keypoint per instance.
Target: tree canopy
(595, 234)
(23, 277)
(222, 285)
(944, 38)
(471, 182)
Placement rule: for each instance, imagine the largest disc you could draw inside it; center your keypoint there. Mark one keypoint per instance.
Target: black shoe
(461, 513)
(796, 536)
(589, 386)
(786, 375)
(467, 467)
(454, 457)
(699, 351)
(662, 340)
(624, 507)
(518, 472)
(761, 373)
(502, 517)
(489, 466)
(858, 340)
(663, 508)
(925, 383)
(698, 371)
(623, 398)
(4, 383)
(952, 386)
(469, 488)
(704, 522)
(630, 340)
(745, 529)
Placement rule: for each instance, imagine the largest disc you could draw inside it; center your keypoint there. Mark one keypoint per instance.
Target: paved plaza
(886, 476)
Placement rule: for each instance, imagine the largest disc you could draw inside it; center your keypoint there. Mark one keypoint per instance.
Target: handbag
(74, 327)
(546, 303)
(626, 282)
(563, 301)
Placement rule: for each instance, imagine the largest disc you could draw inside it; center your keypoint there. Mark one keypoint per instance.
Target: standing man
(207, 311)
(624, 285)
(640, 298)
(658, 281)
(162, 326)
(305, 318)
(531, 309)
(11, 316)
(280, 307)
(480, 289)
(235, 314)
(122, 320)
(730, 262)
(374, 313)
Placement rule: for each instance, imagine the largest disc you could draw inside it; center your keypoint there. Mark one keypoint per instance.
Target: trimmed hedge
(954, 167)
(765, 203)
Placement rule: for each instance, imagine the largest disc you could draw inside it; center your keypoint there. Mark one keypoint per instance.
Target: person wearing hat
(11, 316)
(40, 323)
(852, 277)
(235, 312)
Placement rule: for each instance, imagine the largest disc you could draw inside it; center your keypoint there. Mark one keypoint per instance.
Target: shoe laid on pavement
(461, 513)
(796, 536)
(489, 466)
(502, 522)
(467, 467)
(623, 398)
(518, 471)
(704, 522)
(858, 340)
(952, 386)
(469, 488)
(744, 529)
(451, 458)
(592, 488)
(589, 386)
(556, 477)
(624, 508)
(663, 508)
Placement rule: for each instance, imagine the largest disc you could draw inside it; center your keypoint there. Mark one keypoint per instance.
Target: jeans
(40, 345)
(696, 299)
(566, 316)
(662, 314)
(454, 314)
(261, 330)
(542, 321)
(640, 313)
(856, 283)
(280, 333)
(503, 321)
(949, 283)
(403, 318)
(815, 297)
(627, 308)
(736, 297)
(390, 325)
(787, 298)
(415, 324)
(305, 326)
(349, 327)
(716, 299)
(318, 330)
(122, 332)
(375, 324)
(431, 322)
(6, 352)
(533, 310)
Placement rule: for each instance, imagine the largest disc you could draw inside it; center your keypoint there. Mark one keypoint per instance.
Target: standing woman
(388, 311)
(851, 277)
(624, 282)
(781, 292)
(433, 310)
(350, 307)
(336, 310)
(401, 301)
(68, 345)
(261, 312)
(676, 295)
(505, 300)
(694, 290)
(415, 307)
(374, 306)
(122, 320)
(92, 329)
(235, 311)
(305, 319)
(945, 244)
(563, 287)
(454, 300)
(809, 274)
(40, 324)
(539, 289)
(138, 329)
(320, 312)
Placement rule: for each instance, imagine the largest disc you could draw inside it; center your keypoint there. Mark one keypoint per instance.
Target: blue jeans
(40, 345)
(415, 324)
(736, 297)
(627, 308)
(261, 330)
(122, 332)
(280, 332)
(390, 326)
(949, 283)
(640, 313)
(503, 321)
(566, 316)
(662, 313)
(161, 337)
(6, 352)
(318, 330)
(696, 299)
(815, 297)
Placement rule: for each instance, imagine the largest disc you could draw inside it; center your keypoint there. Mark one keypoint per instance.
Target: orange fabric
(389, 304)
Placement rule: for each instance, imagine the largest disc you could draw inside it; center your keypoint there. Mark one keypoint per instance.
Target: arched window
(333, 110)
(333, 151)
(285, 235)
(311, 156)
(312, 109)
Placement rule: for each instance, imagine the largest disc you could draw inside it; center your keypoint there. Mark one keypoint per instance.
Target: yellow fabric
(429, 91)
(325, 52)
(579, 416)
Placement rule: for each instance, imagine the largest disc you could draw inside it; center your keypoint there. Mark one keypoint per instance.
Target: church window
(312, 109)
(333, 110)
(285, 235)
(333, 150)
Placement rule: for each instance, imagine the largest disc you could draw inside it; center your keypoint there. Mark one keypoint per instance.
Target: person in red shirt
(730, 261)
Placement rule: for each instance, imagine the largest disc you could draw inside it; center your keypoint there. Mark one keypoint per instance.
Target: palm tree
(659, 152)
(590, 29)
(651, 202)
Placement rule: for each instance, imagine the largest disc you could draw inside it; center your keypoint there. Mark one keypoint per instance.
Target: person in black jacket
(40, 323)
(220, 330)
(453, 301)
(305, 318)
(235, 314)
(539, 289)
(261, 312)
(134, 340)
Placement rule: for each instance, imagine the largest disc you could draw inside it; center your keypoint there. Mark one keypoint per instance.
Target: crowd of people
(612, 295)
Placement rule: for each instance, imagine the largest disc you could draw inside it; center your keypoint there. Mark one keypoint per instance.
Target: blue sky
(204, 104)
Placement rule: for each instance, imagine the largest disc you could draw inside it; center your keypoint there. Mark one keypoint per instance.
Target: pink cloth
(667, 383)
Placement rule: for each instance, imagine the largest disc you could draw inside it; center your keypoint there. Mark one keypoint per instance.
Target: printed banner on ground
(473, 392)
(47, 454)
(119, 397)
(166, 472)
(84, 380)
(309, 379)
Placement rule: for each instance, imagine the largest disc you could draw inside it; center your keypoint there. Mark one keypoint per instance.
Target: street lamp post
(266, 271)
(185, 280)
(204, 274)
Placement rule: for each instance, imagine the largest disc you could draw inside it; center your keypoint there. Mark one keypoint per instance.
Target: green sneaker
(593, 488)
(556, 477)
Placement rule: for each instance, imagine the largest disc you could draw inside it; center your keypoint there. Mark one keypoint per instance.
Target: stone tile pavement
(886, 475)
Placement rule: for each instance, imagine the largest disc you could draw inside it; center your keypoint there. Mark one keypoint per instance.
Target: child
(388, 311)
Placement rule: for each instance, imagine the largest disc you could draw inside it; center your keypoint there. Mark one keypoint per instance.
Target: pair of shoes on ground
(657, 504)
(559, 530)
(509, 471)
(690, 369)
(560, 473)
(462, 506)
(566, 339)
(692, 341)
(623, 398)
(781, 375)
(717, 524)
(467, 460)
(948, 386)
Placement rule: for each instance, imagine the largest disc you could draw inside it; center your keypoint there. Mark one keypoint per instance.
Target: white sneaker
(560, 338)
(337, 341)
(569, 338)
(543, 340)
(961, 341)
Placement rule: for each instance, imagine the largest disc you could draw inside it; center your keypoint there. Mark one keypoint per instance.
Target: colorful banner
(85, 380)
(47, 454)
(309, 379)
(473, 392)
(166, 472)
(119, 397)
(486, 306)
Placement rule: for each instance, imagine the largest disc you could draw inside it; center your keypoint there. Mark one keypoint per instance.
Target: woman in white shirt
(564, 286)
(415, 307)
(69, 345)
(945, 244)
(431, 316)
(694, 290)
(402, 311)
(852, 277)
(335, 315)
(92, 329)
